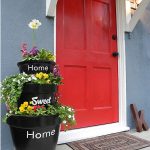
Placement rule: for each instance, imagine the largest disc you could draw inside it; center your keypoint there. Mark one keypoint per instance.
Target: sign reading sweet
(37, 101)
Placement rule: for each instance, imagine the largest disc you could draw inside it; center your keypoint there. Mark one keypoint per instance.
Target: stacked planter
(36, 132)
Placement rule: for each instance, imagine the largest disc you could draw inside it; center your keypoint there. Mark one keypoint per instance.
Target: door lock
(115, 54)
(114, 37)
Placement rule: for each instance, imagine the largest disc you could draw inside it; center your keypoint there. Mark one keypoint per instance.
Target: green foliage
(12, 86)
(65, 113)
(43, 78)
(11, 90)
(43, 55)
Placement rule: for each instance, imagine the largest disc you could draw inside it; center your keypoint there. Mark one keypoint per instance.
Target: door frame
(78, 134)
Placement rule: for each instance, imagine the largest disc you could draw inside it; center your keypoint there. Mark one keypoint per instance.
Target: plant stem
(33, 38)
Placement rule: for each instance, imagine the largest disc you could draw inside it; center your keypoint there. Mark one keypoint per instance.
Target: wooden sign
(139, 119)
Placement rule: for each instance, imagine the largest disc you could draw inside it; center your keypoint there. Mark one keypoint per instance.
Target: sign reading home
(37, 101)
(37, 68)
(38, 135)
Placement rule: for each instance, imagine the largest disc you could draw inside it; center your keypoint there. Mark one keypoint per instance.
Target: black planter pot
(35, 66)
(34, 133)
(39, 94)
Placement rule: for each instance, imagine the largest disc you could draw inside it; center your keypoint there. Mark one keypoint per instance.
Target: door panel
(70, 35)
(101, 76)
(78, 76)
(84, 47)
(100, 26)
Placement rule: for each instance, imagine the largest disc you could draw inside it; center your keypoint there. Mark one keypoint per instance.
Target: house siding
(15, 16)
(138, 67)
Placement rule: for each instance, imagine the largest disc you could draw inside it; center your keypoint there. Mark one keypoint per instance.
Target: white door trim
(89, 132)
(121, 22)
(50, 7)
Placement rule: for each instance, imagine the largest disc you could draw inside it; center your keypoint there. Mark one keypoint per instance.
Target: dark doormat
(119, 141)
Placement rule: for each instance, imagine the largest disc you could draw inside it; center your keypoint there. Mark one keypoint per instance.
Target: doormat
(119, 141)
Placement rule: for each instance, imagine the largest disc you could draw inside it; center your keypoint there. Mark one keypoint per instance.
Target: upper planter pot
(36, 66)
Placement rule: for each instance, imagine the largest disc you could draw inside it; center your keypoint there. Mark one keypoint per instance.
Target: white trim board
(89, 132)
(50, 7)
(137, 15)
(84, 133)
(120, 15)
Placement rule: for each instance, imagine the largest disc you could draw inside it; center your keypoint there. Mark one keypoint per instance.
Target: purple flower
(56, 71)
(34, 51)
(24, 49)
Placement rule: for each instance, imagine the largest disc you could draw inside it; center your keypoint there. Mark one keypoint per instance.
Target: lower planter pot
(34, 133)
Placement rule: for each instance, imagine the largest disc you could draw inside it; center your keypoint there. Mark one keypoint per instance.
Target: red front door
(84, 45)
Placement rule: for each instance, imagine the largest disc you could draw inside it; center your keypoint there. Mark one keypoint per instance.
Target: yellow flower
(39, 75)
(22, 105)
(29, 108)
(48, 81)
(33, 25)
(36, 75)
(25, 104)
(45, 76)
(21, 109)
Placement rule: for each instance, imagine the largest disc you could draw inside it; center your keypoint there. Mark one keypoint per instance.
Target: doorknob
(114, 37)
(115, 54)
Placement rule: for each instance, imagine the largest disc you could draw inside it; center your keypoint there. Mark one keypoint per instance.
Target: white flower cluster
(69, 116)
(34, 24)
(24, 77)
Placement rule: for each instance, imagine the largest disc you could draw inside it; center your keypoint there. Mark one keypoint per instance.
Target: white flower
(14, 80)
(73, 117)
(10, 111)
(34, 24)
(69, 116)
(33, 77)
(64, 122)
(29, 79)
(63, 107)
(24, 74)
(69, 109)
(22, 78)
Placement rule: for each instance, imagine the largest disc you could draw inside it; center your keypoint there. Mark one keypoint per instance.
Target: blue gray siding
(138, 67)
(15, 16)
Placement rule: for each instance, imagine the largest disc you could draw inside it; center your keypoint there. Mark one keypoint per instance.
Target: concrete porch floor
(144, 135)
